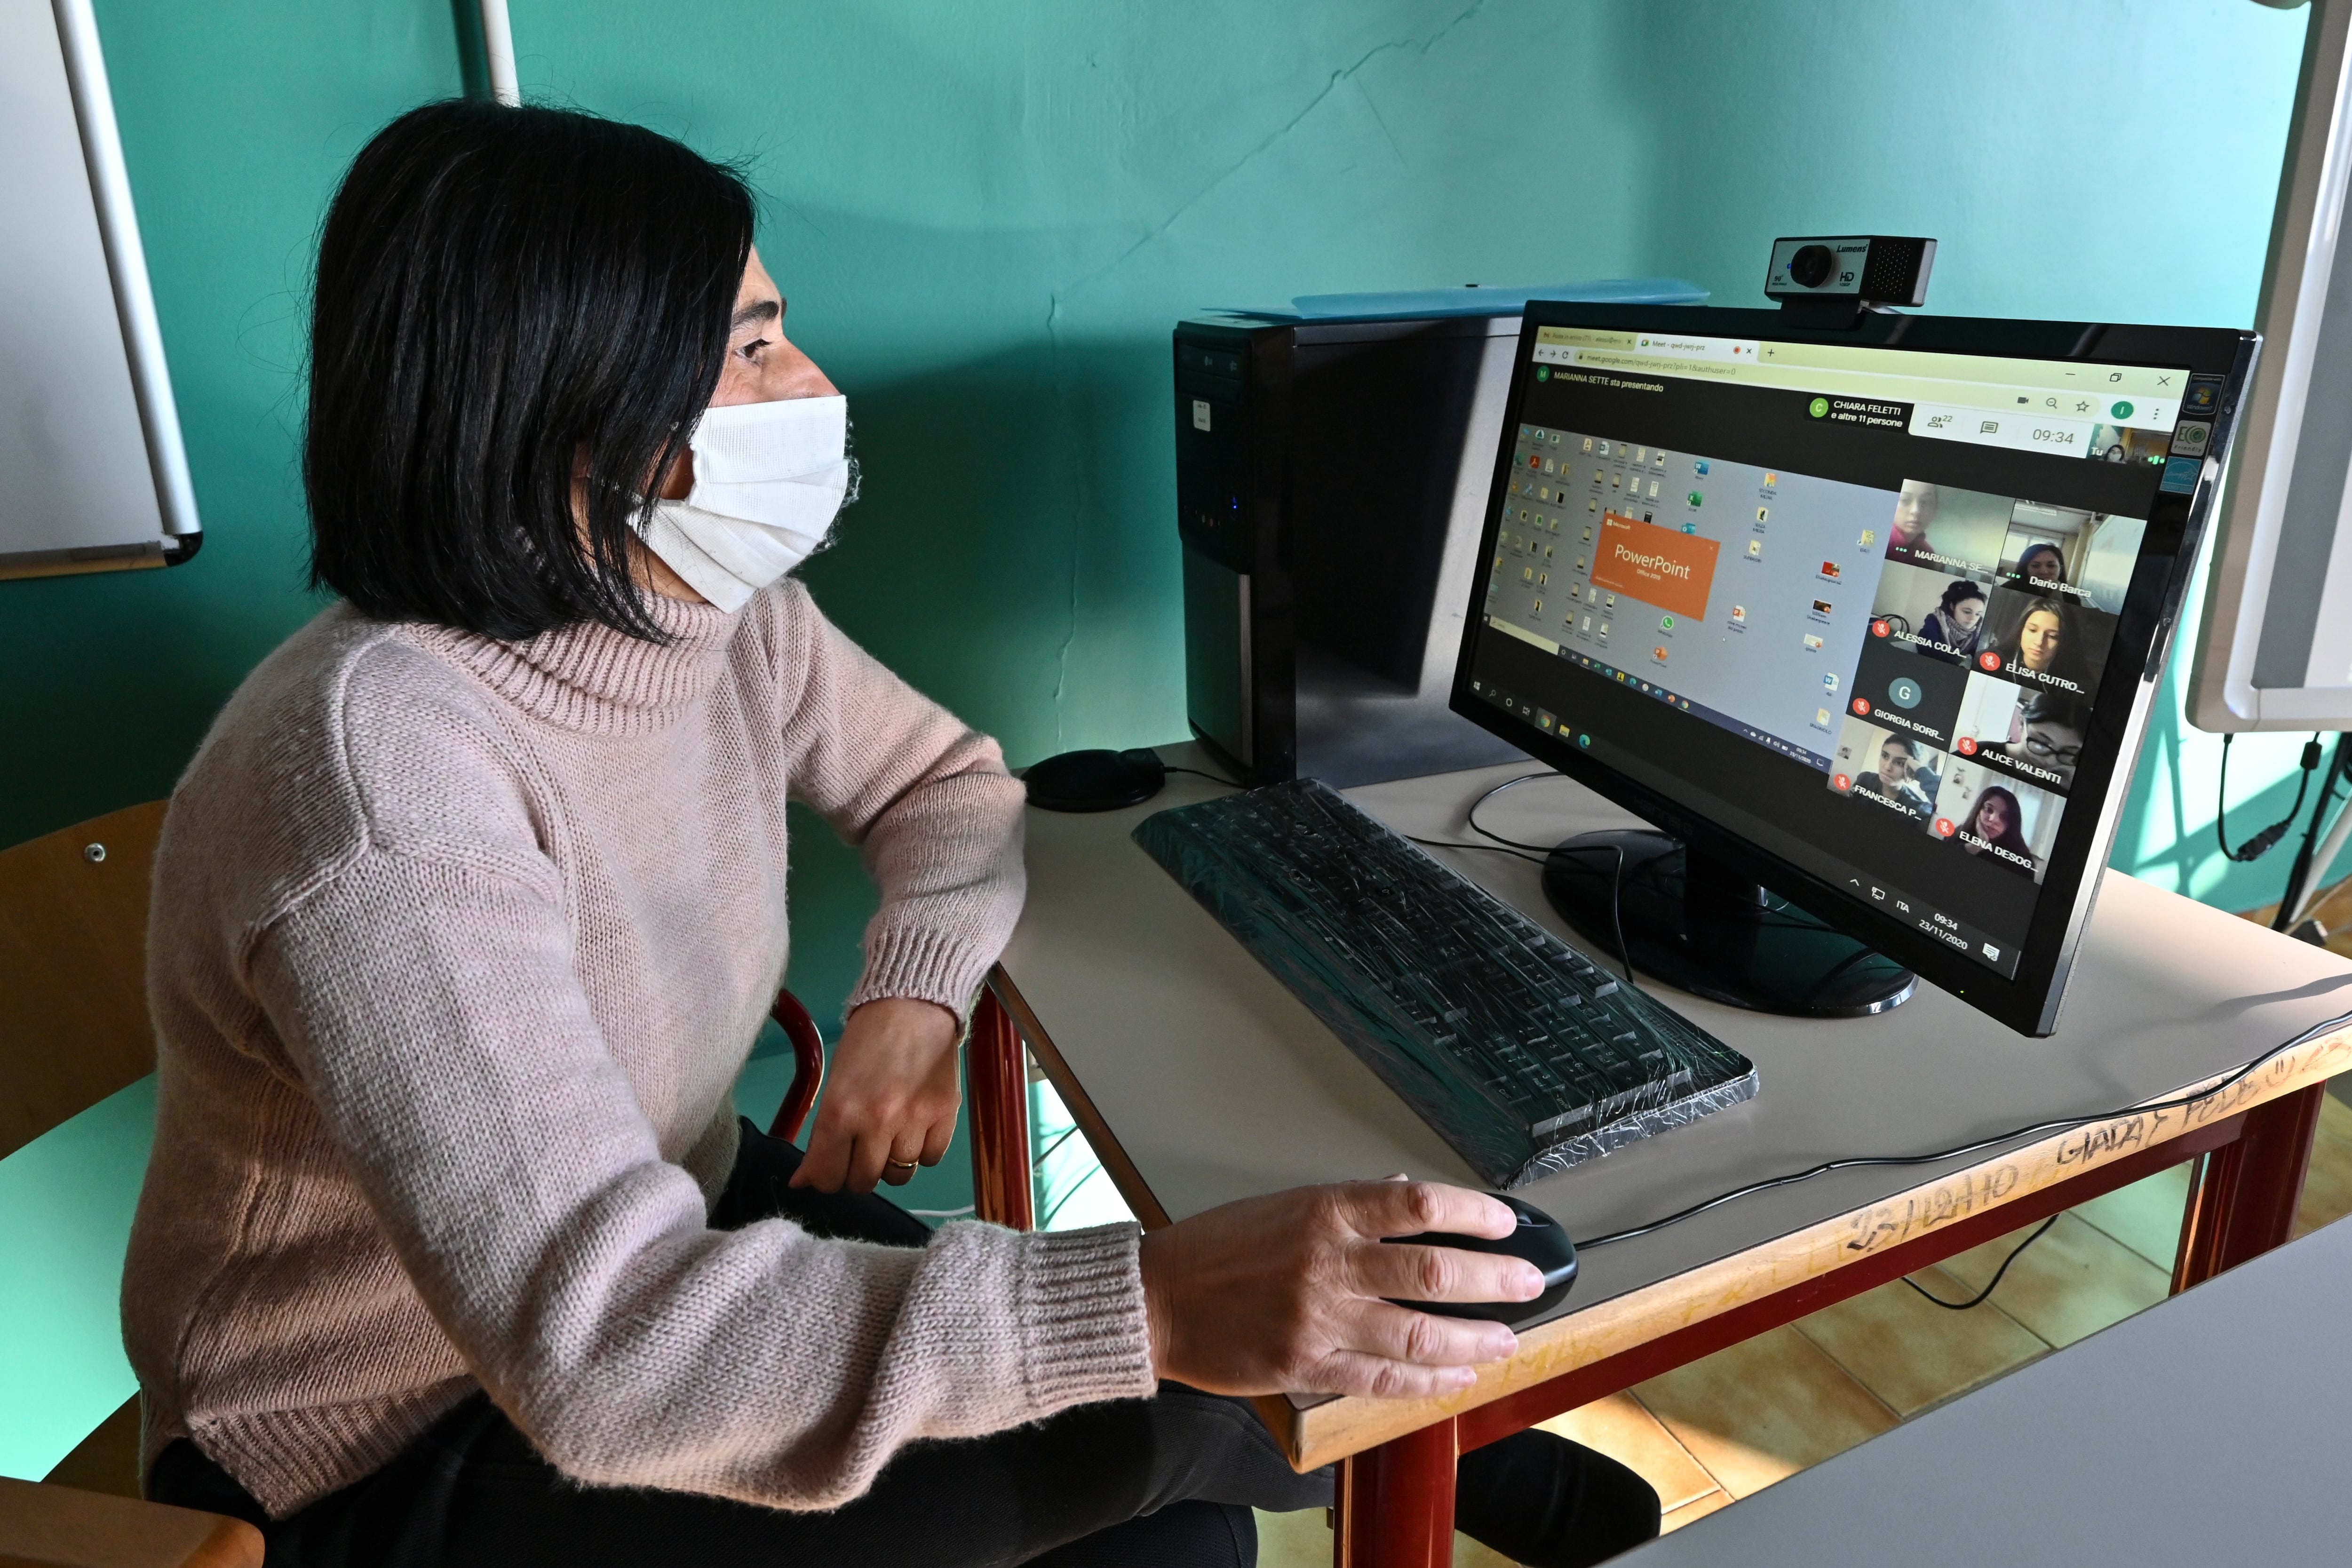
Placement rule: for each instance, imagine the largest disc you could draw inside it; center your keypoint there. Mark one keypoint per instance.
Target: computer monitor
(1870, 618)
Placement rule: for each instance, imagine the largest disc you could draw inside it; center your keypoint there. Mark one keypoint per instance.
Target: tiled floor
(1733, 1424)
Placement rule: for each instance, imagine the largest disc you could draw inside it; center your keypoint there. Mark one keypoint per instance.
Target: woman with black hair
(2042, 563)
(2050, 726)
(1995, 824)
(452, 1249)
(1951, 630)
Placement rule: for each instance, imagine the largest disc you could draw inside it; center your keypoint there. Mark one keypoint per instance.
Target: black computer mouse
(1094, 781)
(1539, 1239)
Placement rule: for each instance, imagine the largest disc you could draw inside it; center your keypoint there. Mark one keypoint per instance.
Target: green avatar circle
(1819, 407)
(2122, 411)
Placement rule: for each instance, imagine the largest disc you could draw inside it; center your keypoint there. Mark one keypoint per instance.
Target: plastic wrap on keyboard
(1371, 963)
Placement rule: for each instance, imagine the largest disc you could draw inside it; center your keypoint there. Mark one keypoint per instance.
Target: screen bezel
(2027, 1003)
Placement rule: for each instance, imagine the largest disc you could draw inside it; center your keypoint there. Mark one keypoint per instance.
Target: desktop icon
(1600, 451)
(1755, 550)
(1869, 537)
(1659, 654)
(1695, 498)
(1665, 623)
(1821, 606)
(1829, 680)
(1739, 614)
(1771, 479)
(1821, 718)
(1588, 443)
(1813, 644)
(1829, 570)
(1762, 512)
(1699, 467)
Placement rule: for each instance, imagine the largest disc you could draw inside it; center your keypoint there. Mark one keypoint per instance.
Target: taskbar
(1645, 686)
(2000, 954)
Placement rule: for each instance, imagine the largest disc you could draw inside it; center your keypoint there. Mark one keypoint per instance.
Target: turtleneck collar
(590, 678)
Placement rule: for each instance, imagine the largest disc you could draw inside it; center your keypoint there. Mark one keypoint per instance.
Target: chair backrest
(73, 987)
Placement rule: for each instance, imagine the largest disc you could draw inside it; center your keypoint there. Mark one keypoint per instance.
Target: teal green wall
(988, 215)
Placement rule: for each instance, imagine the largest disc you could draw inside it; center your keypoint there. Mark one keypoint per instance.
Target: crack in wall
(1343, 76)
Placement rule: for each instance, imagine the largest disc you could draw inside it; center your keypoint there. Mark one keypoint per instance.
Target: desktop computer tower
(1330, 478)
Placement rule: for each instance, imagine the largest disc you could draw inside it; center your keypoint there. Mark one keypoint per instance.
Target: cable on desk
(1826, 1166)
(1197, 773)
(1981, 1296)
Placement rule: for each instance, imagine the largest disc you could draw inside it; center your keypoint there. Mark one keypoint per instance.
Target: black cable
(1981, 1296)
(2299, 876)
(1484, 848)
(1197, 773)
(2262, 843)
(1826, 1166)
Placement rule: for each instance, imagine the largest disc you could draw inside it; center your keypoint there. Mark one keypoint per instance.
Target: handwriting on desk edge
(1966, 1192)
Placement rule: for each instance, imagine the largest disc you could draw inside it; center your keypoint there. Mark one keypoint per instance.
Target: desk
(1200, 1079)
(2085, 1459)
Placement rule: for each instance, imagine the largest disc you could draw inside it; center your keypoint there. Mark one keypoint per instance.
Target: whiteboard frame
(134, 308)
(2222, 696)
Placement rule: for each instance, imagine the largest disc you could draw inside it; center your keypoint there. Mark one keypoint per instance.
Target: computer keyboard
(1521, 1052)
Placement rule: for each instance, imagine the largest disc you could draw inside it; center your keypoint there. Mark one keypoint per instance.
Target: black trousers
(1162, 1483)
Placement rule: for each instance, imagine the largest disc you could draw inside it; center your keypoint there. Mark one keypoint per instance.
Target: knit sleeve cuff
(1082, 1295)
(922, 966)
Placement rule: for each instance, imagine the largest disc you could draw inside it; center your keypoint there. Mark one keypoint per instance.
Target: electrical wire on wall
(2311, 861)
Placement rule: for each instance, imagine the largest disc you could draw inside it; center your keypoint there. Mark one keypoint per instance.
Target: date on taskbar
(1918, 913)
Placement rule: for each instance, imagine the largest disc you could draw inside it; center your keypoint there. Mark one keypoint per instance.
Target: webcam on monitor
(1842, 276)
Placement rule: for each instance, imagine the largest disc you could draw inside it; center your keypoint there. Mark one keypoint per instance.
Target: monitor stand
(1701, 927)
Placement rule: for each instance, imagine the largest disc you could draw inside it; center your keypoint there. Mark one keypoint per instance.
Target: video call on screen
(1813, 625)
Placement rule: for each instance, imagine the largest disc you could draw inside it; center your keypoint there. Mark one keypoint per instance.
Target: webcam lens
(1811, 265)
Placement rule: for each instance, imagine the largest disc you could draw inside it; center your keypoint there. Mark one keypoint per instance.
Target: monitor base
(1704, 929)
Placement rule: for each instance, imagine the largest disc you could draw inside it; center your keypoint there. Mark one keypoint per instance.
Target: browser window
(1869, 592)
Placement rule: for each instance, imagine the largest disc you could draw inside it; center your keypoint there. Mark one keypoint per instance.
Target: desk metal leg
(2242, 1195)
(1396, 1503)
(996, 1075)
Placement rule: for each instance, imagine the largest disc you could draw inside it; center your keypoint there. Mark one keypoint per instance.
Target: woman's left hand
(890, 1098)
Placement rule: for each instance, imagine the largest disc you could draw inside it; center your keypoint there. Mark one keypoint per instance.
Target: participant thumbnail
(1937, 525)
(2129, 444)
(1887, 768)
(1934, 614)
(2057, 645)
(1996, 820)
(2036, 734)
(2066, 553)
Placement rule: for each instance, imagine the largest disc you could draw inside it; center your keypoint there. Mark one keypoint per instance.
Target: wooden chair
(73, 1030)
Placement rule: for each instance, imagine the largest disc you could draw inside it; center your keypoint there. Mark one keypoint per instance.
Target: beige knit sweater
(457, 947)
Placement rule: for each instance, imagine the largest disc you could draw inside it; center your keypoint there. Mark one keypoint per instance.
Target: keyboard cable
(1859, 1162)
(1539, 853)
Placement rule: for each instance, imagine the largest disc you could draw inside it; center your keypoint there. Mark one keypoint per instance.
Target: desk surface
(1209, 1082)
(2211, 1428)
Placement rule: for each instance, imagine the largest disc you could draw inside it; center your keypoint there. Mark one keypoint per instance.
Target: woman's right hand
(1283, 1294)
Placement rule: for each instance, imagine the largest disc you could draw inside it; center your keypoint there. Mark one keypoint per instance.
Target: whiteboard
(93, 473)
(2274, 651)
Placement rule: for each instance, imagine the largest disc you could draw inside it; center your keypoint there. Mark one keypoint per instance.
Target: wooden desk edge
(1323, 1434)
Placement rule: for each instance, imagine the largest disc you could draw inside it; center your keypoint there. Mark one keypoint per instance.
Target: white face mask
(769, 480)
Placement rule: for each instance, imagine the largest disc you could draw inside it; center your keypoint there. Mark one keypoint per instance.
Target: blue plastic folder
(1407, 304)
